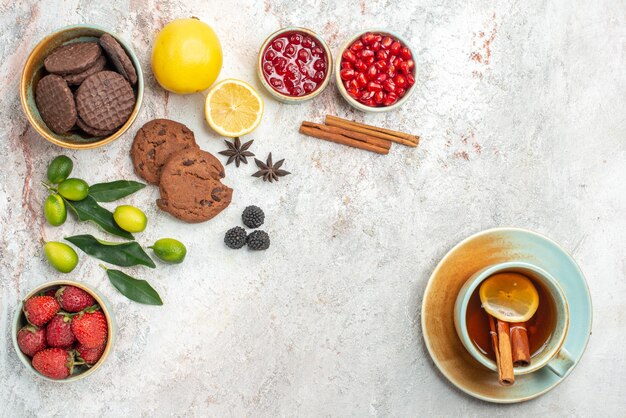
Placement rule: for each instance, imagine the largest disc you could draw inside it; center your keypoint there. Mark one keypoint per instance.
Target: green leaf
(124, 254)
(89, 210)
(109, 192)
(134, 289)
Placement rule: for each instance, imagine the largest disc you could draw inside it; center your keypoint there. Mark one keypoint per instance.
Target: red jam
(377, 70)
(294, 64)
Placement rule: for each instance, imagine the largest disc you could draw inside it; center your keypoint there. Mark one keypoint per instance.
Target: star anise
(237, 152)
(269, 171)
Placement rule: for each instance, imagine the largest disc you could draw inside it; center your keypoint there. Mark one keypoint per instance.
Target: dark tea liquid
(539, 327)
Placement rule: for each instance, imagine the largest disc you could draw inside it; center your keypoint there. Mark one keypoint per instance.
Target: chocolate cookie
(91, 131)
(77, 79)
(119, 58)
(72, 58)
(105, 100)
(190, 186)
(55, 103)
(155, 142)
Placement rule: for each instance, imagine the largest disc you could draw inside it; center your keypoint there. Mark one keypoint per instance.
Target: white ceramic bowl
(291, 99)
(355, 103)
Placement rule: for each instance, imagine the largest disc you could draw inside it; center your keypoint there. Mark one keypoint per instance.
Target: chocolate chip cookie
(118, 57)
(55, 103)
(190, 186)
(105, 100)
(155, 142)
(72, 58)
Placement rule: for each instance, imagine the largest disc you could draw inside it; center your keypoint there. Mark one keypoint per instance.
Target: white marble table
(521, 107)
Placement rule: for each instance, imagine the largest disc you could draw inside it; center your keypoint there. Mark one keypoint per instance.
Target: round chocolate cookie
(91, 131)
(155, 142)
(119, 58)
(105, 100)
(72, 58)
(55, 103)
(76, 79)
(190, 186)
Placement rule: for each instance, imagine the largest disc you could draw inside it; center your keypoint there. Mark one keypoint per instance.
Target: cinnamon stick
(383, 143)
(387, 134)
(502, 348)
(519, 344)
(341, 139)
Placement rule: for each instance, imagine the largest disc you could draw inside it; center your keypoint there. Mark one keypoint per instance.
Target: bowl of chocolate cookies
(81, 87)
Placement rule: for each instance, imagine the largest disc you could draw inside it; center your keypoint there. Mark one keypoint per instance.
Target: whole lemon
(186, 56)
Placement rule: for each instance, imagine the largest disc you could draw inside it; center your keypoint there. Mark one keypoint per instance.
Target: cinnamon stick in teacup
(519, 344)
(501, 341)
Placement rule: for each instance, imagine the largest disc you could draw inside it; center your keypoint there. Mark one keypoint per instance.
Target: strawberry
(40, 309)
(90, 328)
(90, 355)
(73, 299)
(59, 331)
(55, 363)
(31, 339)
(50, 292)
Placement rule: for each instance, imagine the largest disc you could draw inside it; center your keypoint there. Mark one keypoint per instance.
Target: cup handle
(561, 363)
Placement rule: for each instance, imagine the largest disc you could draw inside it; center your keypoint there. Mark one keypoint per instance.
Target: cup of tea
(546, 329)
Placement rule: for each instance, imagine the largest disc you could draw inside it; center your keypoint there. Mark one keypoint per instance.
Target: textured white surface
(521, 107)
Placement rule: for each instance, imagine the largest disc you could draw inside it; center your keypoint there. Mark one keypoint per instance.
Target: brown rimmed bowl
(19, 320)
(34, 70)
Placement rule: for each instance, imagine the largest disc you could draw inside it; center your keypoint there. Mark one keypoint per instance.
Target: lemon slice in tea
(509, 297)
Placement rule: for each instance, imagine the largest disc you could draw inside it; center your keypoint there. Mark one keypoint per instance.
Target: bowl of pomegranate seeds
(376, 71)
(294, 65)
(63, 331)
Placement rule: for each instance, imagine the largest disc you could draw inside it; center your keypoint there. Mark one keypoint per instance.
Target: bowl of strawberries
(63, 331)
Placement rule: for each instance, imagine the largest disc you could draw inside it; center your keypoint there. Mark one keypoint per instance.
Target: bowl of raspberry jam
(376, 71)
(294, 64)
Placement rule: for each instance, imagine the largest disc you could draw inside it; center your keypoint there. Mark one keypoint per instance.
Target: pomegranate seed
(372, 72)
(320, 65)
(379, 97)
(297, 91)
(353, 92)
(390, 99)
(376, 46)
(395, 48)
(400, 80)
(391, 71)
(270, 55)
(400, 91)
(308, 87)
(366, 95)
(308, 42)
(405, 53)
(304, 55)
(366, 53)
(389, 85)
(381, 65)
(346, 64)
(290, 51)
(361, 80)
(368, 61)
(373, 86)
(295, 39)
(410, 64)
(360, 66)
(382, 55)
(403, 67)
(352, 84)
(381, 77)
(317, 52)
(386, 42)
(410, 80)
(277, 83)
(319, 76)
(278, 45)
(346, 74)
(357, 46)
(268, 68)
(347, 55)
(378, 37)
(398, 61)
(368, 38)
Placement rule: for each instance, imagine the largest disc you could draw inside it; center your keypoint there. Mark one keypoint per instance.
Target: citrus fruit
(74, 189)
(186, 56)
(59, 169)
(54, 210)
(170, 250)
(130, 218)
(233, 108)
(61, 256)
(510, 297)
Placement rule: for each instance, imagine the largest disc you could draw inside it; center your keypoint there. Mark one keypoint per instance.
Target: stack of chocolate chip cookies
(165, 153)
(81, 92)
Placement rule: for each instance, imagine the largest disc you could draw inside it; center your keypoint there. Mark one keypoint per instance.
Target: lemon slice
(509, 297)
(233, 108)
